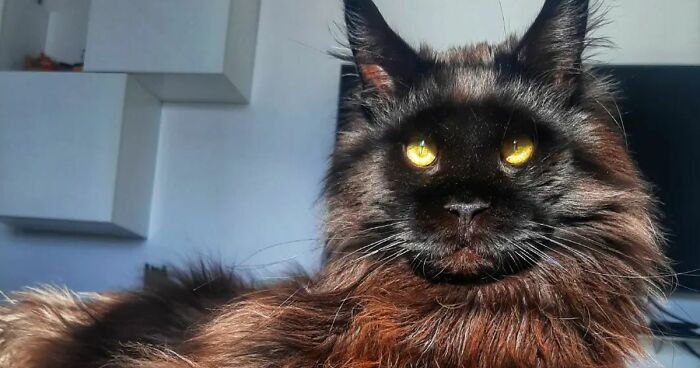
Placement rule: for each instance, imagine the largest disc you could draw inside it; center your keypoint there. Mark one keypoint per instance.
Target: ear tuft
(552, 49)
(385, 62)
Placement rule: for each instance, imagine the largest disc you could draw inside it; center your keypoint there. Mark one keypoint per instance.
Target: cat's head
(487, 160)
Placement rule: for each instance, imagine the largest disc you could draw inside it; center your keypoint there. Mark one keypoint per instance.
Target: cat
(482, 211)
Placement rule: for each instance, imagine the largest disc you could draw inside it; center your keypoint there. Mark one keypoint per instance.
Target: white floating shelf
(77, 152)
(180, 50)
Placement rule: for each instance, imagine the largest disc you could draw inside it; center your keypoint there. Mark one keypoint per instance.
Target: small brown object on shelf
(45, 63)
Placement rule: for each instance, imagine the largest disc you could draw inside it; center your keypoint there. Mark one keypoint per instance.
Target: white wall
(22, 32)
(233, 180)
(653, 32)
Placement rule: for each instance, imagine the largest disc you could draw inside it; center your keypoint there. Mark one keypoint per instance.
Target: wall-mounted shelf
(78, 149)
(181, 50)
(77, 152)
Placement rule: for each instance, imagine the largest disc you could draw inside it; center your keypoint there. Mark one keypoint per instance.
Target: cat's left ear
(385, 62)
(552, 48)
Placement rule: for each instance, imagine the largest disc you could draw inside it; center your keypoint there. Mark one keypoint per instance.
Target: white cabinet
(77, 152)
(181, 50)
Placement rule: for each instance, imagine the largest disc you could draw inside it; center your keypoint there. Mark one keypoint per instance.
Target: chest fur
(382, 334)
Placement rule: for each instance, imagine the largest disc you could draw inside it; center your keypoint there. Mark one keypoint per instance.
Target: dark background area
(661, 111)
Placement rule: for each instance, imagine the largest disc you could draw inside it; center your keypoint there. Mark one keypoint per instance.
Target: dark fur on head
(555, 269)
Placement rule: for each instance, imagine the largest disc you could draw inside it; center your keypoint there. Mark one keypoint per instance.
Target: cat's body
(361, 316)
(515, 231)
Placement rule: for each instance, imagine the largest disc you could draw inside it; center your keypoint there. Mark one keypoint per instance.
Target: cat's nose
(466, 210)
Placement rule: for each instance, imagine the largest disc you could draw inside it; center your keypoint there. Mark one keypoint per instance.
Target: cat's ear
(552, 48)
(385, 62)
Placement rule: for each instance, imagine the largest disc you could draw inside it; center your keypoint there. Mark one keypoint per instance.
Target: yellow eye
(517, 151)
(420, 152)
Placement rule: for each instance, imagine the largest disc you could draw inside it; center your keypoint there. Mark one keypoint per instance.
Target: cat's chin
(465, 265)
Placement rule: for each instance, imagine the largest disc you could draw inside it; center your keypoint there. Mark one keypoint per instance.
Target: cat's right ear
(385, 62)
(552, 48)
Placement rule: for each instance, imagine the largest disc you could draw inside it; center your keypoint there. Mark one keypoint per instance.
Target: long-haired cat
(482, 212)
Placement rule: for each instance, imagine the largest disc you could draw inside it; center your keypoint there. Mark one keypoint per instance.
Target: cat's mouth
(479, 257)
(467, 265)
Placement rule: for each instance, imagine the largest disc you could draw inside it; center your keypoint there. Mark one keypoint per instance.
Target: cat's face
(469, 183)
(482, 161)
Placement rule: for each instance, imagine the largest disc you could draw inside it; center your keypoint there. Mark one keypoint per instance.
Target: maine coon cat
(482, 212)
